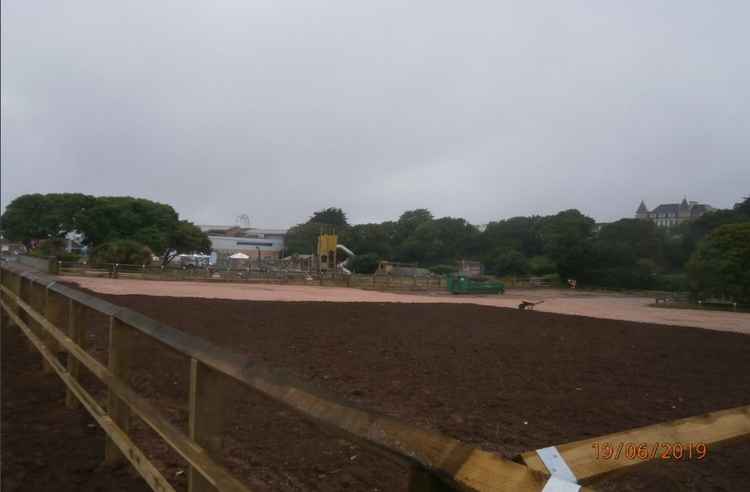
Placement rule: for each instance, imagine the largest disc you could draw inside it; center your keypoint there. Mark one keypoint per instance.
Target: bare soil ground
(608, 305)
(503, 379)
(45, 446)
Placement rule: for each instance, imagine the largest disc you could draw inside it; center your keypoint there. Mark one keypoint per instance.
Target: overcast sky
(481, 110)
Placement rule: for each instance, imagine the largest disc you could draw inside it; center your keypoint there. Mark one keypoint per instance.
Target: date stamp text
(678, 451)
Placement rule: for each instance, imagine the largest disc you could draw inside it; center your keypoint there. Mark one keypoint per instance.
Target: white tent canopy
(239, 256)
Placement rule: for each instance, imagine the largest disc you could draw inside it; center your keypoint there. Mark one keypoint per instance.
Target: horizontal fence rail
(591, 459)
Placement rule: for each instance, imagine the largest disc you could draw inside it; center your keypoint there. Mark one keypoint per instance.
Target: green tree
(541, 265)
(720, 267)
(366, 264)
(331, 216)
(122, 251)
(519, 233)
(675, 248)
(37, 217)
(370, 238)
(700, 228)
(743, 208)
(507, 262)
(642, 237)
(566, 240)
(137, 219)
(435, 241)
(185, 238)
(409, 221)
(302, 238)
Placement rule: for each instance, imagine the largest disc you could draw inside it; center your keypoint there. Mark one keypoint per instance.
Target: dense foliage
(366, 264)
(302, 238)
(186, 237)
(708, 255)
(122, 251)
(54, 247)
(102, 220)
(628, 253)
(38, 217)
(720, 267)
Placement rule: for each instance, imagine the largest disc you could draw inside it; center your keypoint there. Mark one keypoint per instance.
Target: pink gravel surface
(593, 304)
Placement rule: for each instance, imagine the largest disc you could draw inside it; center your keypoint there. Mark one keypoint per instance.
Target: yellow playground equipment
(328, 248)
(327, 251)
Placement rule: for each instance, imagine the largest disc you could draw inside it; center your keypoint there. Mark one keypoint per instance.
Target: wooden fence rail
(591, 459)
(438, 462)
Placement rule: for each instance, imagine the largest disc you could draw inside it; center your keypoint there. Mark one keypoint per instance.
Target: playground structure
(328, 248)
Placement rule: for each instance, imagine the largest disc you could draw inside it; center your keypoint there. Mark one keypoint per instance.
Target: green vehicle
(459, 284)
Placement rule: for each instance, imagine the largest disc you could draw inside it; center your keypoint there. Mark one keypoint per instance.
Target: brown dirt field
(597, 304)
(506, 380)
(45, 446)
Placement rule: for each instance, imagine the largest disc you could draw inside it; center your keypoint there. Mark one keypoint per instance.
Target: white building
(252, 241)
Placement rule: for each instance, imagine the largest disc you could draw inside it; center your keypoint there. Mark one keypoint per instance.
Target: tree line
(119, 229)
(710, 255)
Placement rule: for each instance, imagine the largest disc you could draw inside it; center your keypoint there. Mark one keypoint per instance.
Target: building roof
(243, 231)
(693, 209)
(667, 208)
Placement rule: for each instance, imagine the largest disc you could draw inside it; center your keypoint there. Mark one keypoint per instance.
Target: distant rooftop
(240, 231)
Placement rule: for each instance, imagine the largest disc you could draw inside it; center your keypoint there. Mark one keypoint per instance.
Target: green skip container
(459, 284)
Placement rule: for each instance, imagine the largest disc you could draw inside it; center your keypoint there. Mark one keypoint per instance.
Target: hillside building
(672, 214)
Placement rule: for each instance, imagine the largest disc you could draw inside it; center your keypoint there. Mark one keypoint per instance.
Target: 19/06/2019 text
(649, 451)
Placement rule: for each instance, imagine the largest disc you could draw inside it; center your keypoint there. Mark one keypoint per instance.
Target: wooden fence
(148, 272)
(49, 314)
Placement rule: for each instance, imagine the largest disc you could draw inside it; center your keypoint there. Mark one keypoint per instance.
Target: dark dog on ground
(528, 305)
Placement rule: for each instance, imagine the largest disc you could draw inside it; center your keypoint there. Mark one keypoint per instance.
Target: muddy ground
(505, 380)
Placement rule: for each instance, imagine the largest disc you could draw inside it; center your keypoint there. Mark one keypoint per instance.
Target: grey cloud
(276, 109)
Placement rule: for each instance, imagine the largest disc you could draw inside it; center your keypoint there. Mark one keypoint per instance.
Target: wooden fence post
(420, 480)
(209, 395)
(36, 298)
(5, 280)
(76, 333)
(4, 318)
(56, 312)
(29, 295)
(119, 355)
(20, 290)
